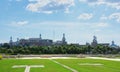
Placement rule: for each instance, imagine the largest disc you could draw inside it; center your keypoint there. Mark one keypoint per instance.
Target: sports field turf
(61, 65)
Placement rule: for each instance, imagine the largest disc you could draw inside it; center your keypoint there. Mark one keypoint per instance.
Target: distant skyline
(80, 20)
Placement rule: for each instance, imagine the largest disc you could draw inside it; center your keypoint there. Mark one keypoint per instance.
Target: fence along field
(59, 65)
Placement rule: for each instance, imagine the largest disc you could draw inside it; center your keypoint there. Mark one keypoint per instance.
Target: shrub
(0, 57)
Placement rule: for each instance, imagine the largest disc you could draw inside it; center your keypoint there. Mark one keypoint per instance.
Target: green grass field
(80, 65)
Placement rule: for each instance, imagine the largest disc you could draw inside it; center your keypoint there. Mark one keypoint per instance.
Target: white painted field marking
(104, 58)
(91, 64)
(67, 67)
(48, 58)
(27, 67)
(19, 66)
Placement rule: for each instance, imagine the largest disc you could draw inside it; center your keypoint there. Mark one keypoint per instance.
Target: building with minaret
(39, 41)
(113, 45)
(17, 43)
(36, 41)
(61, 42)
(11, 41)
(40, 37)
(64, 39)
(94, 43)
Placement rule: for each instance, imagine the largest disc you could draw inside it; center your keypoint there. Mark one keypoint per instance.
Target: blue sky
(80, 20)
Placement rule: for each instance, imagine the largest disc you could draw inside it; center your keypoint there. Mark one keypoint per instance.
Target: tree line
(58, 49)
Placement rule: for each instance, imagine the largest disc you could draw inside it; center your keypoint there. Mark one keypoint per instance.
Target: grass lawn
(80, 65)
(106, 66)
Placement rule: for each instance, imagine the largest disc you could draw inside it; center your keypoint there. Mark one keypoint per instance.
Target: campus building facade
(37, 42)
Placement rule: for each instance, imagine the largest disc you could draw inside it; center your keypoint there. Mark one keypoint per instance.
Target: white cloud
(19, 23)
(49, 6)
(103, 17)
(99, 25)
(115, 16)
(111, 3)
(102, 25)
(85, 16)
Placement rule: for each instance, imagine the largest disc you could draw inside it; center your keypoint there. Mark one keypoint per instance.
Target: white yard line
(48, 58)
(104, 58)
(67, 67)
(69, 58)
(34, 66)
(19, 66)
(91, 64)
(27, 67)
